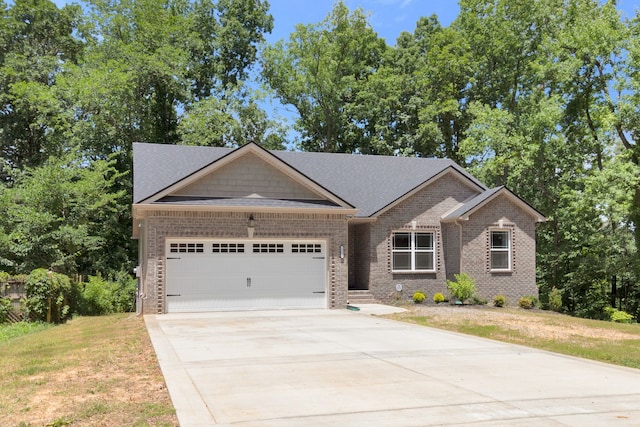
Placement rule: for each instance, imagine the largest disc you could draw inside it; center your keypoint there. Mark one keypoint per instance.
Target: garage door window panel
(183, 248)
(227, 248)
(268, 248)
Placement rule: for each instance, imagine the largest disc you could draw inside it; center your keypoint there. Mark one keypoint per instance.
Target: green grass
(592, 339)
(89, 371)
(9, 331)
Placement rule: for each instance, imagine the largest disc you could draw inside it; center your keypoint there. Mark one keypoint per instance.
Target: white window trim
(412, 251)
(507, 250)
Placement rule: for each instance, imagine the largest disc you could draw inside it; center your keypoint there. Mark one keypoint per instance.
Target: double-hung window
(413, 251)
(500, 250)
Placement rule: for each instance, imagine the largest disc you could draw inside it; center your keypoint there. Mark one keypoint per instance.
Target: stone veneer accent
(159, 225)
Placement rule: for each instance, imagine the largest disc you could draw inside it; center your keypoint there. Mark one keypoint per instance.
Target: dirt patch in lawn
(531, 323)
(92, 371)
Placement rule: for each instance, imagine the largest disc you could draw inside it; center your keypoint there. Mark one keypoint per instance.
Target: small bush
(47, 296)
(526, 302)
(419, 297)
(463, 288)
(618, 316)
(480, 301)
(5, 309)
(100, 296)
(555, 300)
(499, 300)
(97, 297)
(438, 298)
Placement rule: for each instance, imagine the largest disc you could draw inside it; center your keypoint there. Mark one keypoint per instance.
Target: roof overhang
(140, 210)
(498, 192)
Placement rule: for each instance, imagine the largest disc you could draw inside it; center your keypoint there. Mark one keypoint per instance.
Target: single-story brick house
(248, 228)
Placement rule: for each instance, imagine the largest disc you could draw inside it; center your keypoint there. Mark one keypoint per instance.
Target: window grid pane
(499, 260)
(424, 241)
(402, 241)
(424, 261)
(402, 261)
(499, 240)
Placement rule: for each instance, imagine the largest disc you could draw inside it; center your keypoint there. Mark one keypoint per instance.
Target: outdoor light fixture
(342, 252)
(251, 226)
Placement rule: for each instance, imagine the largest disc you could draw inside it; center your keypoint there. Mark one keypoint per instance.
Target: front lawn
(90, 371)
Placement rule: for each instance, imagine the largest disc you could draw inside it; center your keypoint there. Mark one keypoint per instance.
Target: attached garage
(253, 274)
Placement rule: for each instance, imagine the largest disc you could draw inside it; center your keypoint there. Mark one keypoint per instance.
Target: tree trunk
(614, 290)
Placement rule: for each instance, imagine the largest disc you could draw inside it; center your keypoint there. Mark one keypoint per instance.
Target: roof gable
(248, 176)
(464, 211)
(247, 172)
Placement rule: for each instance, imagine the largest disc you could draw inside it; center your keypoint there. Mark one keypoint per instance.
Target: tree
(546, 123)
(320, 71)
(230, 121)
(36, 43)
(58, 216)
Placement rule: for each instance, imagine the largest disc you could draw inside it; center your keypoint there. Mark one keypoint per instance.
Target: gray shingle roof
(370, 183)
(471, 204)
(468, 207)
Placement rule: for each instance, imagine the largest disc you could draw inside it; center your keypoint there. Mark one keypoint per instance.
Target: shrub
(499, 300)
(5, 309)
(555, 299)
(618, 316)
(47, 294)
(525, 302)
(480, 301)
(100, 296)
(463, 288)
(124, 294)
(97, 297)
(438, 298)
(419, 297)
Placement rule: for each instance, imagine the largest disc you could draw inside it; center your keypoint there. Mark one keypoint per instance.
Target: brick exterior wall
(160, 225)
(372, 254)
(521, 280)
(426, 208)
(248, 175)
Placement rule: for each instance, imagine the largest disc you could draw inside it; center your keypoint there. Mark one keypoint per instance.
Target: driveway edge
(182, 390)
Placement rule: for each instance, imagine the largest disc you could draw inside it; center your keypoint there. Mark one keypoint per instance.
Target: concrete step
(361, 297)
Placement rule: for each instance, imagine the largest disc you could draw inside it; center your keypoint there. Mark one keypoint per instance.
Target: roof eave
(140, 209)
(533, 212)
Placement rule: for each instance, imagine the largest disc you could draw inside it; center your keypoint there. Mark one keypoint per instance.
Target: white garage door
(209, 275)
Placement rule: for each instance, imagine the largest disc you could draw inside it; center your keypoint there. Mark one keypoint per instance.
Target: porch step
(361, 297)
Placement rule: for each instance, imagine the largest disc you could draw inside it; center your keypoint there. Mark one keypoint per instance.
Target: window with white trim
(413, 251)
(500, 241)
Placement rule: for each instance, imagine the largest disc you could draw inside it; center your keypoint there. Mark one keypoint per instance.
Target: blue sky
(387, 17)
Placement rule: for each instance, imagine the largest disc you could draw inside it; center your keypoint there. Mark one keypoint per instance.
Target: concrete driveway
(344, 368)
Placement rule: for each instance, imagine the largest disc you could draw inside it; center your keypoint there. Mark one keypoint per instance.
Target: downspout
(457, 221)
(142, 239)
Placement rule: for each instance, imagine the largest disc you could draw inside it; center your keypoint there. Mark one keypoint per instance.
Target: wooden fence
(14, 291)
